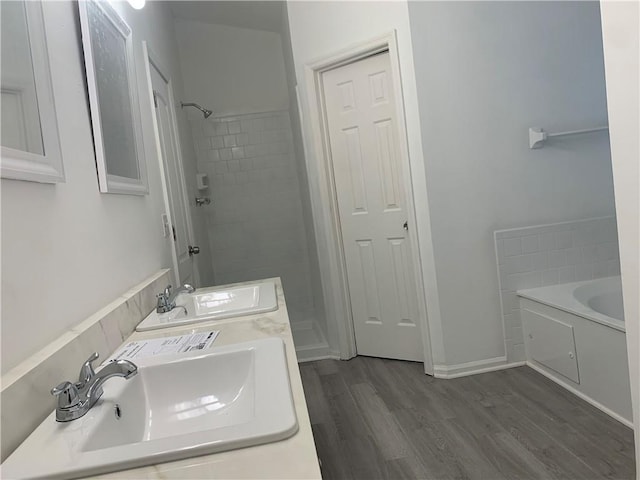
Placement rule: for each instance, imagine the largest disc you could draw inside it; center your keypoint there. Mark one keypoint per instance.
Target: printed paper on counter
(164, 346)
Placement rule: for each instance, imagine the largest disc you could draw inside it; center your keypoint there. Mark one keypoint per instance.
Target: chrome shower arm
(205, 111)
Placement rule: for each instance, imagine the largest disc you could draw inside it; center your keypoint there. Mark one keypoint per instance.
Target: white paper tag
(164, 346)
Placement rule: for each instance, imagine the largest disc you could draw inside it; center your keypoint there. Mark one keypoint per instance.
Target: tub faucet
(167, 299)
(76, 399)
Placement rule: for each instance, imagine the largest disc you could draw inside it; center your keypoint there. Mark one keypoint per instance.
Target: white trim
(156, 140)
(502, 319)
(21, 165)
(317, 213)
(583, 396)
(517, 231)
(412, 231)
(474, 368)
(185, 191)
(110, 183)
(332, 268)
(150, 58)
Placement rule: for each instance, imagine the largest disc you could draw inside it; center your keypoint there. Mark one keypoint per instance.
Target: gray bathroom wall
(70, 239)
(487, 71)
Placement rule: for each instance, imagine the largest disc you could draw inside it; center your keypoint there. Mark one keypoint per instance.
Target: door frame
(150, 58)
(334, 279)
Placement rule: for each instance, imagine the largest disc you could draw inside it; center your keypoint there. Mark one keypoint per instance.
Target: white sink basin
(215, 303)
(177, 406)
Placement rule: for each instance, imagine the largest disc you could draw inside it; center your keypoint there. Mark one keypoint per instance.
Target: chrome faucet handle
(74, 401)
(167, 291)
(162, 306)
(87, 372)
(67, 394)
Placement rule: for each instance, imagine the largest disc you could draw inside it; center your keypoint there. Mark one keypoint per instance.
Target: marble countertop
(294, 457)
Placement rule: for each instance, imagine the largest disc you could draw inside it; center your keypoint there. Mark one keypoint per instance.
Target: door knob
(193, 250)
(406, 226)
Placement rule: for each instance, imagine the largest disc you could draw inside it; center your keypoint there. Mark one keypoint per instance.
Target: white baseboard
(474, 368)
(578, 393)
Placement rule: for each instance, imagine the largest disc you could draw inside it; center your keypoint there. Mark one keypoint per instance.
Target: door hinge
(175, 237)
(155, 99)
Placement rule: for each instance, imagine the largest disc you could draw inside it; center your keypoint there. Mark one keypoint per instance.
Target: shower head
(205, 111)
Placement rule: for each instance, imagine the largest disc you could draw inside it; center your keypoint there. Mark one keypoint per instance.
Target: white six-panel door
(367, 169)
(181, 231)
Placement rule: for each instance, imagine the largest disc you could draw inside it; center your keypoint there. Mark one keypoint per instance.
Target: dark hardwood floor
(374, 419)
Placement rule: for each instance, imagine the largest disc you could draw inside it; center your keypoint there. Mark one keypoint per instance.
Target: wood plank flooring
(384, 419)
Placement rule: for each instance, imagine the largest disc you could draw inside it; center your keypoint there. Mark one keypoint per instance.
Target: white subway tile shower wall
(255, 222)
(544, 255)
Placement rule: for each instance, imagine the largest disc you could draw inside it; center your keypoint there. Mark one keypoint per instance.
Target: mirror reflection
(109, 51)
(21, 127)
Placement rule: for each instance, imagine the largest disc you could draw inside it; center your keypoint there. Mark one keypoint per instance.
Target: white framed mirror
(113, 97)
(30, 141)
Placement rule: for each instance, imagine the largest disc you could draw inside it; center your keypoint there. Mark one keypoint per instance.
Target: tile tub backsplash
(26, 400)
(544, 255)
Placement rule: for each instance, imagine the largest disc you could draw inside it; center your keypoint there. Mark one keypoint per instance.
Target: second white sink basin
(177, 406)
(215, 303)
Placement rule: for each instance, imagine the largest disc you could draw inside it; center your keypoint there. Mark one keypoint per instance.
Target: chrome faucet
(76, 399)
(167, 299)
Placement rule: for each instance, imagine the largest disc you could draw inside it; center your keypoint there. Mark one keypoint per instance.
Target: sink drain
(118, 411)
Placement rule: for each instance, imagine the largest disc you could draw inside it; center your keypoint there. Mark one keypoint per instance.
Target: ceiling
(264, 15)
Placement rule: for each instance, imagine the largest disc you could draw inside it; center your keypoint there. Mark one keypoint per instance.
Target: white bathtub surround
(26, 400)
(541, 255)
(255, 220)
(597, 300)
(579, 348)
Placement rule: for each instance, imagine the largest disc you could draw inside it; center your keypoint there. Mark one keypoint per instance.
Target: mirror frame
(21, 165)
(113, 183)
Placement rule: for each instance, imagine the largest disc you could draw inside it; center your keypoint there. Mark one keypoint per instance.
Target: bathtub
(574, 334)
(603, 300)
(597, 300)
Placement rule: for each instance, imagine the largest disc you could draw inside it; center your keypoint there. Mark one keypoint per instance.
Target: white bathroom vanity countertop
(294, 457)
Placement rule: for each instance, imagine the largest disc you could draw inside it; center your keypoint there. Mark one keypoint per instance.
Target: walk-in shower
(259, 223)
